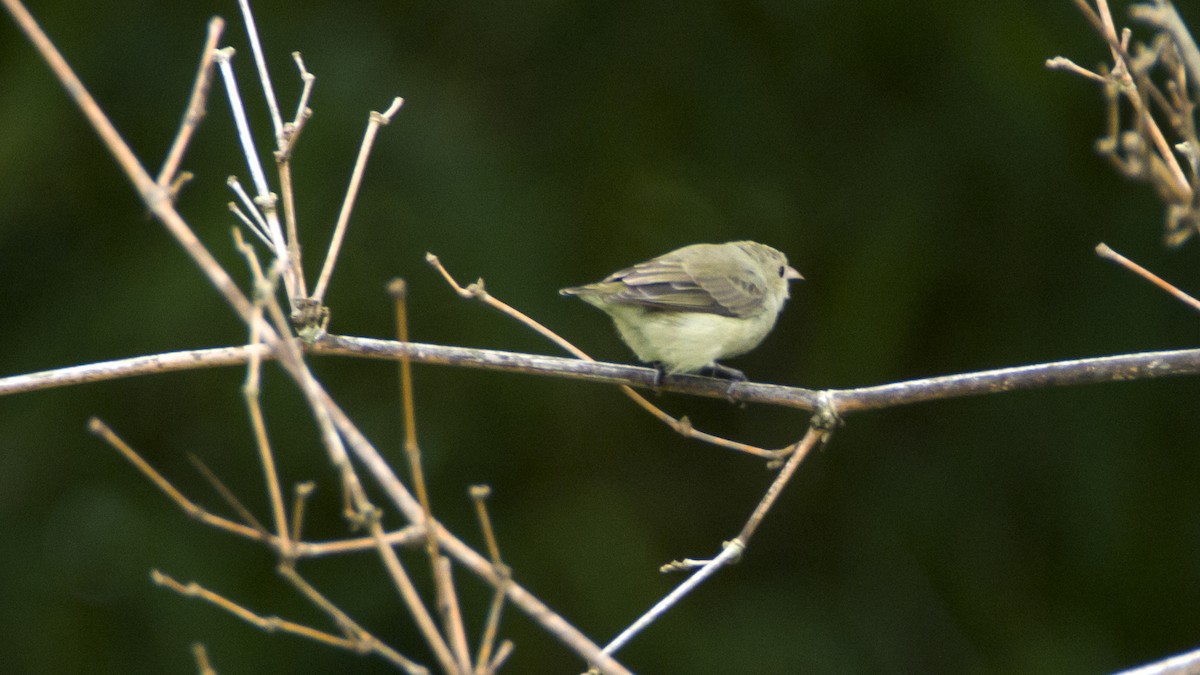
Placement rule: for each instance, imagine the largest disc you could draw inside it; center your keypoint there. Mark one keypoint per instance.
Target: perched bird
(685, 309)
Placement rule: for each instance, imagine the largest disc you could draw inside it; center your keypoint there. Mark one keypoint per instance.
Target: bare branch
(1181, 664)
(1104, 251)
(1075, 372)
(195, 111)
(732, 550)
(360, 165)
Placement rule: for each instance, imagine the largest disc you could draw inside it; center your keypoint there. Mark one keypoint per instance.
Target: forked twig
(255, 531)
(484, 659)
(228, 497)
(193, 510)
(359, 640)
(731, 550)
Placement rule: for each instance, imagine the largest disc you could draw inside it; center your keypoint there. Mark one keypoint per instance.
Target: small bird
(685, 309)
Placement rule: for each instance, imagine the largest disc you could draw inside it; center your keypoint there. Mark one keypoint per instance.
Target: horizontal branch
(1139, 366)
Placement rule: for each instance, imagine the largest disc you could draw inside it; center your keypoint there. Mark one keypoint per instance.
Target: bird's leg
(660, 373)
(725, 372)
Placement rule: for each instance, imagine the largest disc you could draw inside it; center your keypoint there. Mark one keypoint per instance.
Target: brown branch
(1075, 372)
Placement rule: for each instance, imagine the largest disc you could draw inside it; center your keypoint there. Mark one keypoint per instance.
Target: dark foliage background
(931, 179)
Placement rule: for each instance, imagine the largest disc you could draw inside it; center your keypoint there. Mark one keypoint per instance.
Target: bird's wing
(723, 285)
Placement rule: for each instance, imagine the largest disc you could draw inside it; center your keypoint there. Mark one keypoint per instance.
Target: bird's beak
(792, 275)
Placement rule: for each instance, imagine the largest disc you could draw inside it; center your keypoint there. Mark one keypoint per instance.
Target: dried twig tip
(392, 109)
(480, 492)
(1103, 250)
(398, 288)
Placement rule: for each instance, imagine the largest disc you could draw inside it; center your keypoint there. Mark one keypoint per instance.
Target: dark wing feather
(726, 284)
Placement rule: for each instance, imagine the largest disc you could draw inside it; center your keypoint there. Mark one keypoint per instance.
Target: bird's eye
(782, 270)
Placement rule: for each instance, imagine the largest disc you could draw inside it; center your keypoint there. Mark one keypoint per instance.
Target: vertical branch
(252, 390)
(261, 63)
(265, 200)
(447, 599)
(303, 492)
(283, 157)
(483, 660)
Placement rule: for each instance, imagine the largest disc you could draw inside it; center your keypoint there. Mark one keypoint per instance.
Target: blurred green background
(932, 180)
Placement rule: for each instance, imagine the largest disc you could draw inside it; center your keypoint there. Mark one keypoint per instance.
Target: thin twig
(1103, 23)
(1107, 253)
(408, 536)
(502, 653)
(196, 108)
(203, 664)
(727, 555)
(302, 493)
(155, 197)
(265, 200)
(255, 531)
(412, 599)
(224, 59)
(451, 611)
(362, 642)
(99, 428)
(303, 112)
(228, 497)
(479, 495)
(251, 393)
(731, 551)
(447, 599)
(260, 62)
(377, 120)
(1181, 664)
(403, 500)
(803, 447)
(283, 161)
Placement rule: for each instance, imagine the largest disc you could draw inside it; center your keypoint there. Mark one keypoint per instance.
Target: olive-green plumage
(690, 307)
